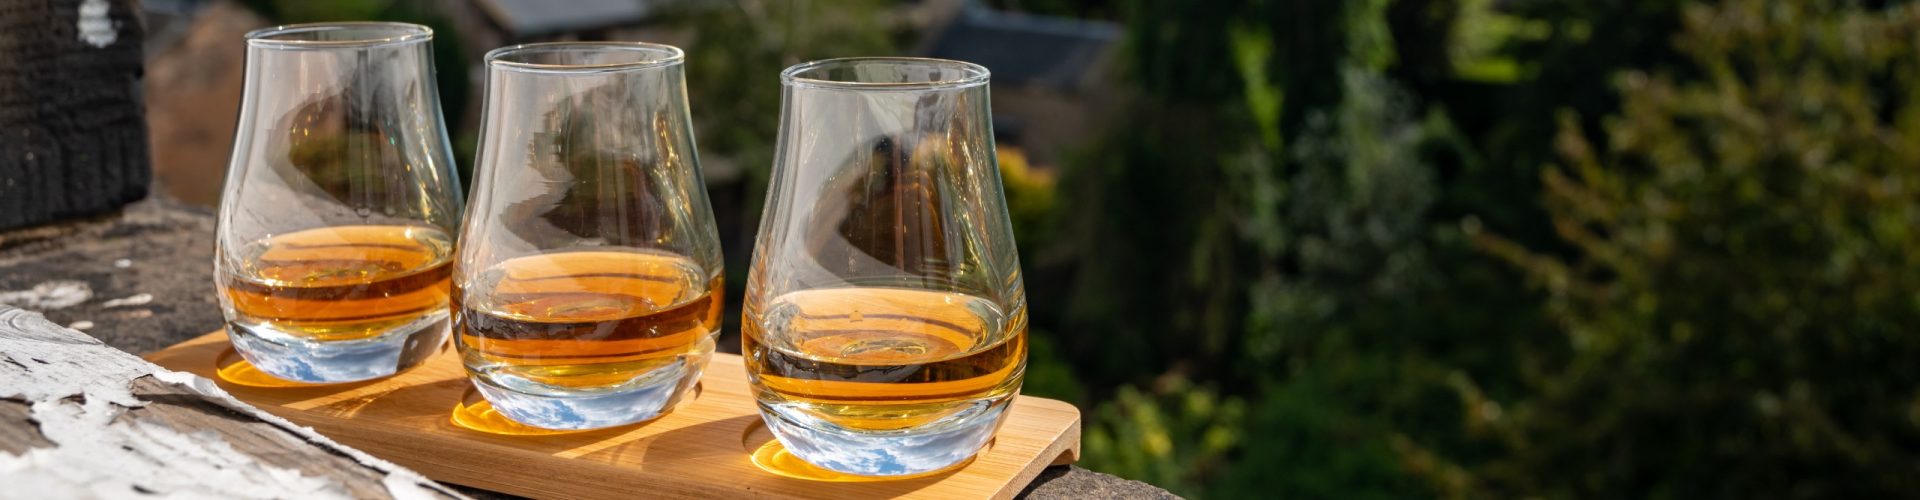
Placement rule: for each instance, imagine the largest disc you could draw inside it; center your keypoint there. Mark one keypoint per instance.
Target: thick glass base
(645, 397)
(898, 452)
(300, 359)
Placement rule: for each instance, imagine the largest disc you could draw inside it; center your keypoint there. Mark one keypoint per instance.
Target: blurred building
(1050, 74)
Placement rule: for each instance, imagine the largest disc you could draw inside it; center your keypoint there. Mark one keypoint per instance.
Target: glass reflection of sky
(885, 453)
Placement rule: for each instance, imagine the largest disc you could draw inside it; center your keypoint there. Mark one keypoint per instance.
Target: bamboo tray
(707, 447)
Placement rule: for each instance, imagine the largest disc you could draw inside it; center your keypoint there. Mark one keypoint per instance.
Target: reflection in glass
(587, 287)
(335, 228)
(885, 323)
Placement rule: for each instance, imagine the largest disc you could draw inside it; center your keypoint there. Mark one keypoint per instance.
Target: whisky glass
(336, 223)
(885, 321)
(587, 290)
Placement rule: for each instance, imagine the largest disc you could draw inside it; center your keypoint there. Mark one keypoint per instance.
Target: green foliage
(1353, 217)
(1322, 253)
(1030, 197)
(739, 48)
(1049, 374)
(1503, 72)
(1746, 271)
(1152, 243)
(1172, 438)
(1306, 439)
(1295, 256)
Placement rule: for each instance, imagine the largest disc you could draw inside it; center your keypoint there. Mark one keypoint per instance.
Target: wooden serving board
(713, 445)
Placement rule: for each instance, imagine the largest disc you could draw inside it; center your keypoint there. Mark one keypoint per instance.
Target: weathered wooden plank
(73, 130)
(17, 432)
(81, 419)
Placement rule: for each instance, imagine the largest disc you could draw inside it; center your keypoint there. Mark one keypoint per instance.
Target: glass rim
(499, 58)
(973, 75)
(401, 33)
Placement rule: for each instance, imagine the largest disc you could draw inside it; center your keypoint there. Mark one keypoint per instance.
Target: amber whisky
(339, 283)
(586, 320)
(882, 358)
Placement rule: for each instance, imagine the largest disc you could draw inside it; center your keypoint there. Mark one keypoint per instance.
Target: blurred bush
(1741, 298)
(1274, 231)
(1030, 196)
(1328, 216)
(740, 47)
(1141, 430)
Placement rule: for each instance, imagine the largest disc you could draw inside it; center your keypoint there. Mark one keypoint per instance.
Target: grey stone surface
(162, 250)
(163, 294)
(1072, 481)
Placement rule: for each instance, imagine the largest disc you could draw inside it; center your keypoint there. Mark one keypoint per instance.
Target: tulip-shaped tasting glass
(587, 290)
(336, 223)
(885, 321)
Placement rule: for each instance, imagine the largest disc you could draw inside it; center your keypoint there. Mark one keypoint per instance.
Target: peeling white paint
(98, 455)
(53, 294)
(208, 388)
(47, 368)
(95, 456)
(95, 27)
(132, 300)
(403, 488)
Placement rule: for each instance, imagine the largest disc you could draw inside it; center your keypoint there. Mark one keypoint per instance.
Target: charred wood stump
(73, 131)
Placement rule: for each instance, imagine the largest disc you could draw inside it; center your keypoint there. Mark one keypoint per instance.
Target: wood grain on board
(702, 449)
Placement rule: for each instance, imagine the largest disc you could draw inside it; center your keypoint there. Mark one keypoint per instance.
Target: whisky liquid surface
(339, 283)
(877, 358)
(586, 319)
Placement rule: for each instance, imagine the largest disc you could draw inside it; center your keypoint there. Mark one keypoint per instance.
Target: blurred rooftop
(1021, 49)
(534, 18)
